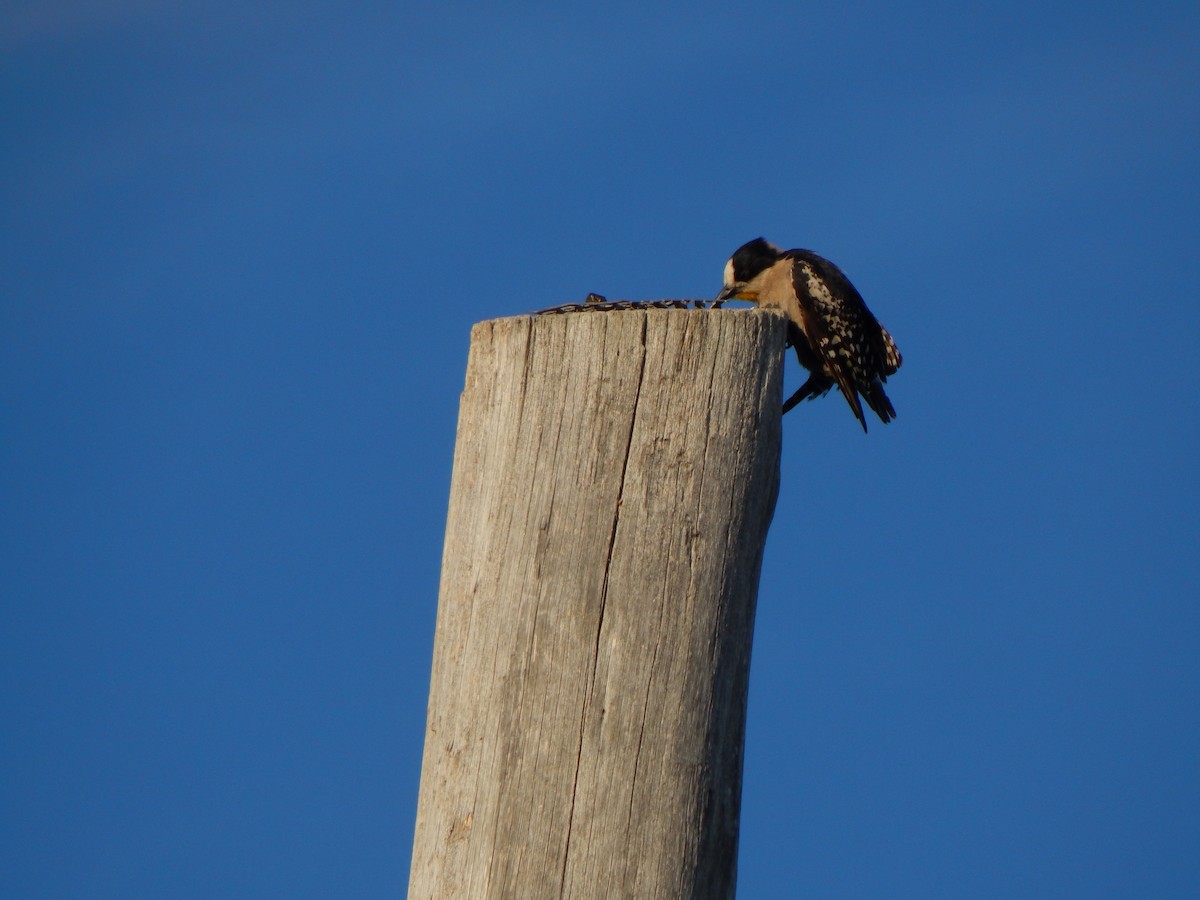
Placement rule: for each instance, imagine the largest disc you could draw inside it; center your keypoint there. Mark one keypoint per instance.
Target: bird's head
(743, 269)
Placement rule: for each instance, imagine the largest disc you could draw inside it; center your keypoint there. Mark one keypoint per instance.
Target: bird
(835, 336)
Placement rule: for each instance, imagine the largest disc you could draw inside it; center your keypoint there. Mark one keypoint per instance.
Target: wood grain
(614, 478)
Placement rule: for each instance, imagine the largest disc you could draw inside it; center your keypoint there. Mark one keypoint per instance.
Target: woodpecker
(835, 336)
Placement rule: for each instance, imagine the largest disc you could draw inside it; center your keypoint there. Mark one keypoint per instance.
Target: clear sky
(242, 248)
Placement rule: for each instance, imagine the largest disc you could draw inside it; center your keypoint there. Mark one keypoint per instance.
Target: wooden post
(614, 477)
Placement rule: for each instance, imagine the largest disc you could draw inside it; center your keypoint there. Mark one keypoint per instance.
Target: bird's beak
(736, 293)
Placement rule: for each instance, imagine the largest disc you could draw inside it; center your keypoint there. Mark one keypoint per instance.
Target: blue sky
(243, 246)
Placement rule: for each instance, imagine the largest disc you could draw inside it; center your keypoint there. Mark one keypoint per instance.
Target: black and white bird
(836, 338)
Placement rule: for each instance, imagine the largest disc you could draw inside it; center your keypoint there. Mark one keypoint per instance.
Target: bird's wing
(827, 298)
(891, 354)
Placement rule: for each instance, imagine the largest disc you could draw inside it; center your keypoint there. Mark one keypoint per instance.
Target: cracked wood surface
(614, 478)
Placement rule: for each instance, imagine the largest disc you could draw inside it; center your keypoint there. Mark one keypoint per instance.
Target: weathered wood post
(614, 477)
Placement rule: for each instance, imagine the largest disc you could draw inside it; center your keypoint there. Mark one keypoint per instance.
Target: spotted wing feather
(852, 348)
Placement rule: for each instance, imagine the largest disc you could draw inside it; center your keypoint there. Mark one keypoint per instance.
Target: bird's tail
(878, 401)
(851, 396)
